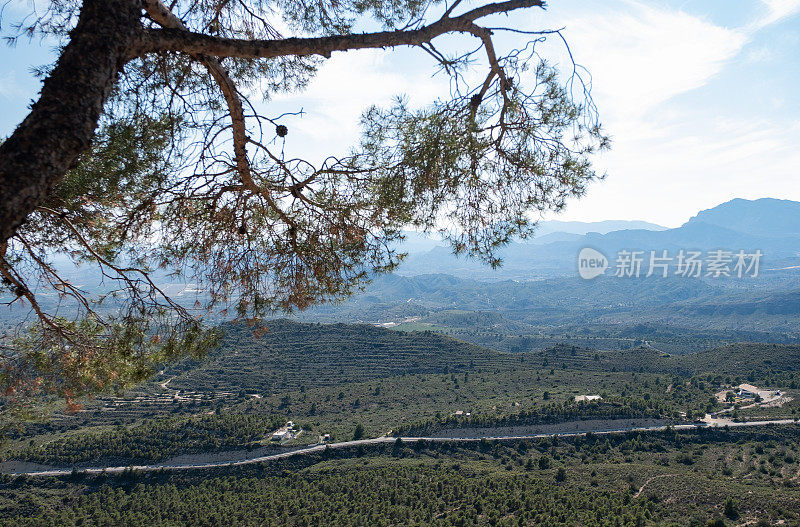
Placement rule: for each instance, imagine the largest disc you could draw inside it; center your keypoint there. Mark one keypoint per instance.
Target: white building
(748, 390)
(280, 435)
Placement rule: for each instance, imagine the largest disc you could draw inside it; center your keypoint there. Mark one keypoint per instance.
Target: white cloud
(673, 156)
(670, 158)
(345, 86)
(642, 56)
(776, 11)
(668, 167)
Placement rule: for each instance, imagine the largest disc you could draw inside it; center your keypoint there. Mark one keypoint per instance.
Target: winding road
(709, 423)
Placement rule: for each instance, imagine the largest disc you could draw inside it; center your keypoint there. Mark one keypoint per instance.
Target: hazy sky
(700, 98)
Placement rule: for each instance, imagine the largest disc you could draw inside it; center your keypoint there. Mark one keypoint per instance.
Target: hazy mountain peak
(762, 217)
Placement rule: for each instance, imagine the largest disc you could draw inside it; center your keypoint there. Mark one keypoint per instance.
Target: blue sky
(700, 98)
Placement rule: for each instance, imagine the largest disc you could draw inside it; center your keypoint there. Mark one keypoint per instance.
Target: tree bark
(61, 123)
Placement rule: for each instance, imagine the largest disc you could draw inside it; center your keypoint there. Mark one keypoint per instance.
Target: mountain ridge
(768, 225)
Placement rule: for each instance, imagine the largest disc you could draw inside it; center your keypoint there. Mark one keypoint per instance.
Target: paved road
(346, 444)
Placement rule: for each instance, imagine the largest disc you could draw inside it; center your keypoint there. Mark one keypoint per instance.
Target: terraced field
(293, 356)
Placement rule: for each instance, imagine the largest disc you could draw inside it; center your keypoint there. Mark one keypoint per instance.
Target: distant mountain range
(546, 232)
(602, 227)
(539, 282)
(769, 225)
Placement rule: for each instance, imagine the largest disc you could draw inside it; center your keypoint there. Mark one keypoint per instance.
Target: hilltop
(291, 355)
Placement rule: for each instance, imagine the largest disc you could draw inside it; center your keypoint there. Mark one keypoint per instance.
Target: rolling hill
(294, 356)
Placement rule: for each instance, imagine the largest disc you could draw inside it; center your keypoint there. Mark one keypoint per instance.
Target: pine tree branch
(180, 40)
(164, 17)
